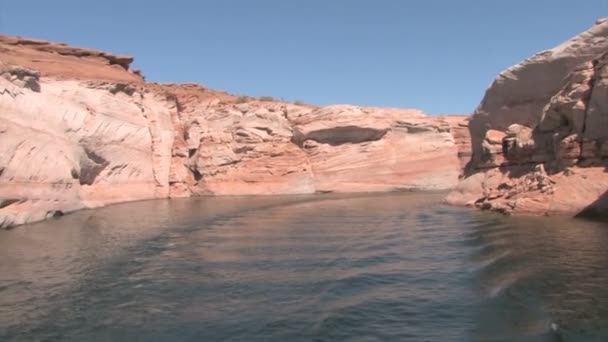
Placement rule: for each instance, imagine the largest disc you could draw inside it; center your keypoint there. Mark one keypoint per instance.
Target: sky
(434, 55)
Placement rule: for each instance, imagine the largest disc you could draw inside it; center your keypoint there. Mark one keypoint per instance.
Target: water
(394, 267)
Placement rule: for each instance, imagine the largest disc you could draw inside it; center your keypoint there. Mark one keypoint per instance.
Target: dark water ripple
(399, 267)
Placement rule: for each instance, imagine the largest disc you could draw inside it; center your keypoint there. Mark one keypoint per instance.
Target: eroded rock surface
(540, 135)
(80, 129)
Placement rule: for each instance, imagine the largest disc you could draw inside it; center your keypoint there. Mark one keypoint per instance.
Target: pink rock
(79, 129)
(554, 106)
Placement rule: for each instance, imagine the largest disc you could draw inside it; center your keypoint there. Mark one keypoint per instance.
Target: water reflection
(375, 267)
(544, 279)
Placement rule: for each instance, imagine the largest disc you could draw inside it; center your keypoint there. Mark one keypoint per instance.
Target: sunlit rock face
(540, 134)
(376, 149)
(80, 129)
(267, 147)
(74, 144)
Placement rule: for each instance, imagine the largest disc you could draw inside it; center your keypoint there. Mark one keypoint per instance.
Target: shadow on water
(598, 210)
(542, 281)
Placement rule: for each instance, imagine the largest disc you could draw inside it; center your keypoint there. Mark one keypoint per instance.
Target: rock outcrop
(80, 129)
(65, 62)
(540, 134)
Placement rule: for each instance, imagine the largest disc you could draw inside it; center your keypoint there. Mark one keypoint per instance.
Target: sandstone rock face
(75, 144)
(459, 127)
(262, 147)
(374, 149)
(80, 129)
(519, 94)
(540, 134)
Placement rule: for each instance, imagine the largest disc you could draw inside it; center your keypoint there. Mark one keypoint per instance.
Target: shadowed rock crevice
(5, 202)
(340, 135)
(91, 167)
(587, 96)
(122, 88)
(22, 77)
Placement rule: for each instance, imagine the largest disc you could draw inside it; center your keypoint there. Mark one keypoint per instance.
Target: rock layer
(80, 129)
(540, 134)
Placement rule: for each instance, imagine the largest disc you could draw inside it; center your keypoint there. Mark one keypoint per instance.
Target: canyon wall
(540, 135)
(80, 129)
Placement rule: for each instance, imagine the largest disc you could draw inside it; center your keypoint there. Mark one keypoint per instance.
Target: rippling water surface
(395, 267)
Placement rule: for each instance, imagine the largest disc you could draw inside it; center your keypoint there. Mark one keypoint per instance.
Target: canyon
(80, 128)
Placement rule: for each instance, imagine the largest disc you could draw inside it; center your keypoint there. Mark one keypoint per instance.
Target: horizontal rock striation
(540, 135)
(80, 129)
(65, 62)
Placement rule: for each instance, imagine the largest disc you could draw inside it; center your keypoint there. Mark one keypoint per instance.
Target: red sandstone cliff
(540, 134)
(80, 129)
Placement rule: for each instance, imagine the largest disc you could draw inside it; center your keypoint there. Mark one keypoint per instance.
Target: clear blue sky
(435, 55)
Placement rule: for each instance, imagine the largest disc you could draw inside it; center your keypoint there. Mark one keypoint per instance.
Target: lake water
(392, 267)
